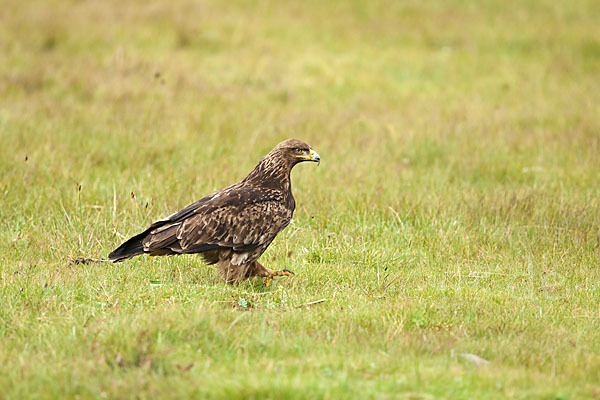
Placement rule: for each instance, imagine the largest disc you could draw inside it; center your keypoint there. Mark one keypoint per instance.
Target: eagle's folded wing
(242, 220)
(240, 228)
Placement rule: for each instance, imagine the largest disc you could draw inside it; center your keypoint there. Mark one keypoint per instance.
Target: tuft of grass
(454, 216)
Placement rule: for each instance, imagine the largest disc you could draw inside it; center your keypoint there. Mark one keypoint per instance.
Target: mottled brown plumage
(233, 226)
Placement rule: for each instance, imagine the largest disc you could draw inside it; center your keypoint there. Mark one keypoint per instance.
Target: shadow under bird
(233, 226)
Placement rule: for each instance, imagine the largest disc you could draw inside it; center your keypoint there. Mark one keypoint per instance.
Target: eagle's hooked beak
(312, 156)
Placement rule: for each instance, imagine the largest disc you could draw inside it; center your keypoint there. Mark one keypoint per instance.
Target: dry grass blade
(311, 303)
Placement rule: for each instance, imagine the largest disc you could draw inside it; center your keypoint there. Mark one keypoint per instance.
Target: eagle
(231, 227)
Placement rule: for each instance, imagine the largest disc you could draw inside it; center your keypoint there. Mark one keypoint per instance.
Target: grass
(456, 209)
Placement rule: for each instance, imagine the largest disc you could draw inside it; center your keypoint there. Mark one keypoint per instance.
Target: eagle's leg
(260, 270)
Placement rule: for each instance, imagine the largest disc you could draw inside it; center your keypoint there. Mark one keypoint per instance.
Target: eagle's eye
(298, 151)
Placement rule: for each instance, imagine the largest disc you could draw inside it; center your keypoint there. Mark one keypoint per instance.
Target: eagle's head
(274, 169)
(294, 151)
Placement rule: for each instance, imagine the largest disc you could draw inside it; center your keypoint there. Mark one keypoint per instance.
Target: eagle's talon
(267, 282)
(272, 274)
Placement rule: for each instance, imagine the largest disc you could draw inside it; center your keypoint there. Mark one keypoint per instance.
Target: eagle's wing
(242, 219)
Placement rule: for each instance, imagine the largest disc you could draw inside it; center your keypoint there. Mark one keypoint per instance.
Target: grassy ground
(456, 209)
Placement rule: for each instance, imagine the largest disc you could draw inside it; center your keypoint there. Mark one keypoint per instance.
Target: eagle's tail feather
(131, 248)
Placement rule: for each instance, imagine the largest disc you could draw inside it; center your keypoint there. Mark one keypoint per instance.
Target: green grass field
(456, 210)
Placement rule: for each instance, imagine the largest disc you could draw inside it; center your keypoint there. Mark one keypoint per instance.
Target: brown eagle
(233, 226)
